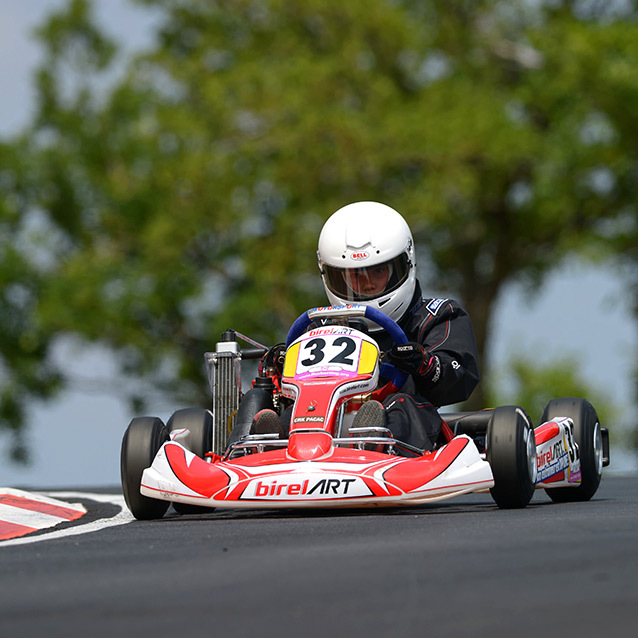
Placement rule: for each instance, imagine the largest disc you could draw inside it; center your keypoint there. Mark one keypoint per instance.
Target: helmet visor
(370, 282)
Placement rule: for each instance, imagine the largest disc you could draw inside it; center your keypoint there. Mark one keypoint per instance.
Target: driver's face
(368, 281)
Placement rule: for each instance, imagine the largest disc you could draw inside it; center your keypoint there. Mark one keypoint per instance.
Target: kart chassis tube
(470, 423)
(476, 423)
(261, 442)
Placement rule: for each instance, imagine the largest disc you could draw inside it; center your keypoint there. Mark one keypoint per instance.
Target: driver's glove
(273, 361)
(277, 355)
(412, 358)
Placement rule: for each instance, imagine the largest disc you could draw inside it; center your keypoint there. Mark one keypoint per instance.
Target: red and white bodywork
(346, 477)
(557, 455)
(317, 466)
(327, 372)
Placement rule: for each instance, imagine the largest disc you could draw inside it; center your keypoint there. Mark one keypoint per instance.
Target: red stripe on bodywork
(555, 478)
(447, 432)
(416, 473)
(546, 432)
(201, 477)
(13, 530)
(40, 506)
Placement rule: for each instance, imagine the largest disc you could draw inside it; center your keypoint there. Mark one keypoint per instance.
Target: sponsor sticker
(558, 454)
(333, 310)
(551, 459)
(435, 305)
(329, 330)
(308, 419)
(305, 488)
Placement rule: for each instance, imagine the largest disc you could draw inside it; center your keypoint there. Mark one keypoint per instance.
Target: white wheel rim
(598, 449)
(531, 455)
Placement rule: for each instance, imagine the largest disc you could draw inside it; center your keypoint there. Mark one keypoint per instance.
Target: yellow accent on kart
(368, 359)
(290, 363)
(230, 421)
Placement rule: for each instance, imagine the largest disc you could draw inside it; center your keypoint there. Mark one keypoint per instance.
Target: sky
(581, 311)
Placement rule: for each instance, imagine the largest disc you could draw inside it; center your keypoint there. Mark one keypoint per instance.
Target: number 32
(317, 346)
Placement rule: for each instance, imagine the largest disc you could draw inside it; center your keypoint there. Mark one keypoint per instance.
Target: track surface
(459, 568)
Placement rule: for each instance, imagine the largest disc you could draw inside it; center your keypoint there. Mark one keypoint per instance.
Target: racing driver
(366, 256)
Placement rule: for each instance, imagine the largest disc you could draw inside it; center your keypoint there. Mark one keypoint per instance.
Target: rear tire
(142, 440)
(511, 453)
(200, 424)
(253, 402)
(587, 435)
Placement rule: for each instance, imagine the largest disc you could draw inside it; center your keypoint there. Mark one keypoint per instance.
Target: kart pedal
(267, 422)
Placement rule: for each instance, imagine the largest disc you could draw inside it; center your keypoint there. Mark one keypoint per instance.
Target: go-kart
(204, 459)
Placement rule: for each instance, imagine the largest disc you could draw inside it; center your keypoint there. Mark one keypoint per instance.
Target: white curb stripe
(28, 518)
(42, 498)
(23, 512)
(122, 518)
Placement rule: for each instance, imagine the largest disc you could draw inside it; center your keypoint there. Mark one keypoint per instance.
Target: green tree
(533, 385)
(187, 197)
(25, 371)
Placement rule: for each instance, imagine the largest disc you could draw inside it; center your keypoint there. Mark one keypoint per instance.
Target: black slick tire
(588, 438)
(254, 401)
(199, 422)
(511, 453)
(142, 440)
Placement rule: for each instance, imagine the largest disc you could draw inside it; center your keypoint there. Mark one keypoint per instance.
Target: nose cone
(309, 446)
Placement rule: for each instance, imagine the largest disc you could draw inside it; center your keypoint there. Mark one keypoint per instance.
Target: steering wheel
(388, 371)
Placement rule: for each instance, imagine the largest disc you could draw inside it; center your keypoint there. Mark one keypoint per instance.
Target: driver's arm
(443, 358)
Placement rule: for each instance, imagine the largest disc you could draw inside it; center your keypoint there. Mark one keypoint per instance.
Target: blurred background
(166, 166)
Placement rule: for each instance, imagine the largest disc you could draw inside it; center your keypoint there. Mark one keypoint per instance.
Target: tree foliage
(533, 385)
(187, 195)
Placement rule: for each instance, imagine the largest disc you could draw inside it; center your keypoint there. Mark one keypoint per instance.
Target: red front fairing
(320, 464)
(349, 477)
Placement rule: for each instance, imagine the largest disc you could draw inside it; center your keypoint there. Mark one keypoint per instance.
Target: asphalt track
(458, 568)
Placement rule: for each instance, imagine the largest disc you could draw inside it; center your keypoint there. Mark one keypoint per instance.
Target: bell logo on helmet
(360, 255)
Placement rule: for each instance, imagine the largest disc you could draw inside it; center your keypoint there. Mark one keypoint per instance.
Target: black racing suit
(444, 329)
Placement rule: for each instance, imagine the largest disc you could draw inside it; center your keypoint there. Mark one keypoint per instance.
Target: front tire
(142, 440)
(511, 453)
(199, 423)
(588, 437)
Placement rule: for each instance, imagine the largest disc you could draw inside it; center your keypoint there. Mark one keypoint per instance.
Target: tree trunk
(479, 304)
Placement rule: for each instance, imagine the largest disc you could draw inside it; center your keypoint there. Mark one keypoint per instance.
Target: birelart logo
(306, 488)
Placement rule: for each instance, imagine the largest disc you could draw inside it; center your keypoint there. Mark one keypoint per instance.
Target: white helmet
(366, 256)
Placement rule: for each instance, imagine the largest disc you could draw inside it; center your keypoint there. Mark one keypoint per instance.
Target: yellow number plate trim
(290, 364)
(368, 359)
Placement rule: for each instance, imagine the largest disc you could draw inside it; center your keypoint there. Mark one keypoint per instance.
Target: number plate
(328, 352)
